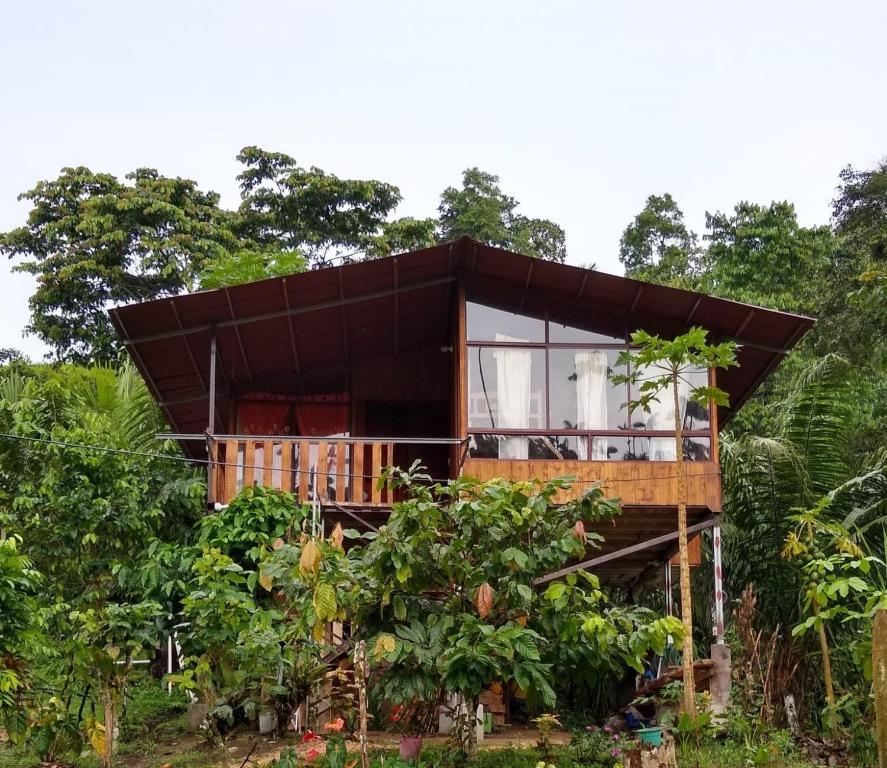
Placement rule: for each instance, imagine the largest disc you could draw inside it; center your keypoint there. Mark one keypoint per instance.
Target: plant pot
(410, 747)
(267, 722)
(652, 735)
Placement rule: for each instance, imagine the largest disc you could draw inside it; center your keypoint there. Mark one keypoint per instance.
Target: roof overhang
(311, 327)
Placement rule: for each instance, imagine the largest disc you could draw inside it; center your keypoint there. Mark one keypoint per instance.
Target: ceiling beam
(292, 330)
(396, 303)
(249, 374)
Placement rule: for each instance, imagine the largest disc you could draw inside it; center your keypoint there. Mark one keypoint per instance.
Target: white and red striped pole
(719, 582)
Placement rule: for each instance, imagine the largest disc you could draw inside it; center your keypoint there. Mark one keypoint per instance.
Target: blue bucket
(652, 735)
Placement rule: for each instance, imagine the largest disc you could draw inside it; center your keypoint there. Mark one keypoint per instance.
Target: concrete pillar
(720, 679)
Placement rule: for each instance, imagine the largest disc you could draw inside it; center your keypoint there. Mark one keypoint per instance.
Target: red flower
(337, 725)
(311, 754)
(309, 735)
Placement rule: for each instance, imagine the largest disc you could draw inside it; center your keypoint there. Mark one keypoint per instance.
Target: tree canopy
(94, 241)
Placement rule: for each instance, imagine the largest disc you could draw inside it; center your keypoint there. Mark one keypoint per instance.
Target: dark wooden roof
(312, 323)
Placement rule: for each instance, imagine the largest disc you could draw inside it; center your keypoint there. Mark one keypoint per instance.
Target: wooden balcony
(340, 470)
(347, 471)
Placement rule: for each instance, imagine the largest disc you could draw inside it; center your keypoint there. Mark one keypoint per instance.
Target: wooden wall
(634, 482)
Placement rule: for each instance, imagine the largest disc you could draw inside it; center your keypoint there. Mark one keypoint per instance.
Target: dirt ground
(262, 750)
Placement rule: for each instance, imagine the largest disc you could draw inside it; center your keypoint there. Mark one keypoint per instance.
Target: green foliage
(93, 240)
(657, 364)
(760, 254)
(246, 266)
(657, 246)
(455, 568)
(594, 747)
(291, 208)
(479, 209)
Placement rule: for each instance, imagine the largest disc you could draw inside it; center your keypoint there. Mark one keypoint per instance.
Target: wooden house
(473, 359)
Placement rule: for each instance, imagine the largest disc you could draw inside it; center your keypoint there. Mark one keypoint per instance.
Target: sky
(582, 108)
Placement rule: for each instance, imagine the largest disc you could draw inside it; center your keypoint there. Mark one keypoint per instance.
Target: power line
(237, 464)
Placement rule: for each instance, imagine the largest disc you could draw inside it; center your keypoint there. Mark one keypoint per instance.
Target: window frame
(547, 345)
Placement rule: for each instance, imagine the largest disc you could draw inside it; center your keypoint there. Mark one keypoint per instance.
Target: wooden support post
(879, 679)
(212, 467)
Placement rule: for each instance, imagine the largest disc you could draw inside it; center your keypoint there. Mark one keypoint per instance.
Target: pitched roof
(325, 319)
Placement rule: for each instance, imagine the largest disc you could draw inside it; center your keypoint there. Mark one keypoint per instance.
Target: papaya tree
(662, 368)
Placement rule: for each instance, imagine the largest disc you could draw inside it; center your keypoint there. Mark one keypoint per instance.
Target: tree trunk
(879, 680)
(686, 595)
(826, 659)
(108, 702)
(826, 669)
(360, 679)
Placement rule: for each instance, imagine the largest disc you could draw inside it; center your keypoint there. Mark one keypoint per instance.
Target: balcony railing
(330, 469)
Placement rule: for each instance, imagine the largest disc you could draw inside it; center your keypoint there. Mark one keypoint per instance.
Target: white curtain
(513, 392)
(591, 401)
(661, 415)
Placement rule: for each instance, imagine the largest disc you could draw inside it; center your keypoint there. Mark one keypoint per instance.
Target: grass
(153, 733)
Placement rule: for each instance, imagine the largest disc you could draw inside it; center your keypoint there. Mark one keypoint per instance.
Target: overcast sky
(582, 108)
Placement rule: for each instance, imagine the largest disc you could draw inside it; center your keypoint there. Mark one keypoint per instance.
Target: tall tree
(292, 208)
(480, 209)
(93, 241)
(657, 246)
(760, 254)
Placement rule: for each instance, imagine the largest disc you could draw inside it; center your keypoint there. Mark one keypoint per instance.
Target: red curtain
(321, 419)
(263, 418)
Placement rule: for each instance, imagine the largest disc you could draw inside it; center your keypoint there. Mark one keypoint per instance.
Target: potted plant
(412, 720)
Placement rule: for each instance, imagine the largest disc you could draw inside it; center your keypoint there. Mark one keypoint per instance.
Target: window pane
(489, 324)
(658, 448)
(558, 447)
(506, 388)
(492, 446)
(614, 449)
(661, 414)
(696, 416)
(561, 334)
(581, 395)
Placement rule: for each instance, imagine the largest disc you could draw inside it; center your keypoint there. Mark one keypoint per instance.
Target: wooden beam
(744, 324)
(353, 516)
(249, 374)
(342, 315)
(693, 310)
(526, 285)
(396, 304)
(292, 330)
(619, 553)
(637, 298)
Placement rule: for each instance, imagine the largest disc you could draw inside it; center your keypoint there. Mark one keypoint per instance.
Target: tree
(461, 561)
(84, 515)
(656, 368)
(290, 208)
(761, 255)
(93, 241)
(657, 246)
(480, 209)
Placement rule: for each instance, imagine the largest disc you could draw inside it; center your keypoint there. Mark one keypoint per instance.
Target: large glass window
(543, 390)
(490, 324)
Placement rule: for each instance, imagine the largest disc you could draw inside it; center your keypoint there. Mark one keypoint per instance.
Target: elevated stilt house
(473, 359)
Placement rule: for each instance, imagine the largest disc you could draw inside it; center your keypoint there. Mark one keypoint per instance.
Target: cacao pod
(483, 600)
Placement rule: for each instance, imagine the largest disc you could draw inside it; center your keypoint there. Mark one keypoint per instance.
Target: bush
(594, 747)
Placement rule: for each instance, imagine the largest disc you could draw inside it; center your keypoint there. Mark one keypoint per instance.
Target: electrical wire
(211, 462)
